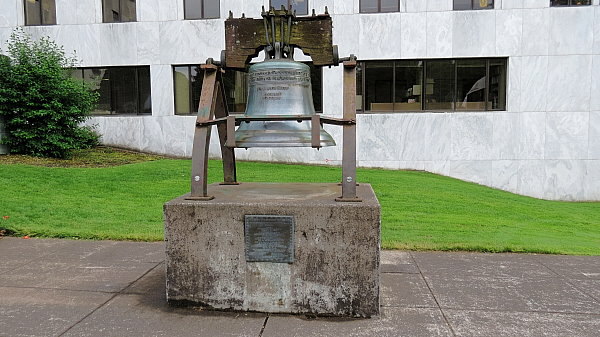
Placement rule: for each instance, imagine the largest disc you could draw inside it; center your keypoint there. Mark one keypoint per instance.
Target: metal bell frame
(212, 110)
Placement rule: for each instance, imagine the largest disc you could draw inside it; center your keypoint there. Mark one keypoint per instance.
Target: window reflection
(40, 12)
(497, 85)
(118, 10)
(379, 79)
(379, 6)
(471, 83)
(570, 2)
(439, 85)
(201, 9)
(473, 4)
(443, 84)
(408, 85)
(300, 6)
(122, 90)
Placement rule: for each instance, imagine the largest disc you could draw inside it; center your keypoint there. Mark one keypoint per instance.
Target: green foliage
(42, 105)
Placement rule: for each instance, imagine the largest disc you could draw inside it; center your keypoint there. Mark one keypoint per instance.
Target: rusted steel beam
(239, 119)
(227, 153)
(315, 132)
(208, 99)
(349, 135)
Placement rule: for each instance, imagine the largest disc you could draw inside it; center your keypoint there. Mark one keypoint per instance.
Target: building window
(187, 83)
(300, 6)
(201, 9)
(123, 90)
(473, 4)
(432, 85)
(557, 3)
(379, 6)
(40, 12)
(118, 10)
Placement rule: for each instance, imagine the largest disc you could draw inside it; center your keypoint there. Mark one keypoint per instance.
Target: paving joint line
(62, 289)
(525, 311)
(262, 330)
(411, 306)
(433, 295)
(569, 282)
(106, 302)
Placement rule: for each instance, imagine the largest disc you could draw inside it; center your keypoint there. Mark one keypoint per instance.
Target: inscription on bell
(269, 238)
(279, 76)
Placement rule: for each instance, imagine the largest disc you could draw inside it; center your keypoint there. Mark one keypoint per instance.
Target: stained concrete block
(336, 251)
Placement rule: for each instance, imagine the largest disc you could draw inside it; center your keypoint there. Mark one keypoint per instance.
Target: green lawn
(420, 210)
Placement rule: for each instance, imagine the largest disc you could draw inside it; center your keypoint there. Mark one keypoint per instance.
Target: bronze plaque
(269, 238)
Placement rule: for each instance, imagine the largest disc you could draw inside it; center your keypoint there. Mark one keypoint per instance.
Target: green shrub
(42, 105)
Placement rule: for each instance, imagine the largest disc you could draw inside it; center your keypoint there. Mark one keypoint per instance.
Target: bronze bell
(279, 87)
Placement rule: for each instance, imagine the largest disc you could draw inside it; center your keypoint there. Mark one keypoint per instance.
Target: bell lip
(280, 138)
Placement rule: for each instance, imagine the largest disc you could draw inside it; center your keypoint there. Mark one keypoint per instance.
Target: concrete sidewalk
(107, 288)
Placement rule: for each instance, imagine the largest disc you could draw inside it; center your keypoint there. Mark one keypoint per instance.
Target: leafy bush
(42, 105)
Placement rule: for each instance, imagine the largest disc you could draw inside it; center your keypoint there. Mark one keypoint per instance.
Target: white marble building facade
(546, 144)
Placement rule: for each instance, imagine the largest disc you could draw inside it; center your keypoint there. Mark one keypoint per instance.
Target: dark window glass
(144, 97)
(471, 84)
(497, 85)
(379, 89)
(100, 81)
(462, 4)
(193, 9)
(300, 6)
(389, 6)
(201, 9)
(359, 86)
(408, 85)
(121, 89)
(187, 83)
(181, 84)
(316, 78)
(416, 85)
(473, 4)
(483, 4)
(33, 14)
(196, 78)
(128, 10)
(369, 6)
(40, 12)
(570, 2)
(278, 3)
(124, 91)
(118, 10)
(236, 87)
(439, 85)
(212, 9)
(379, 6)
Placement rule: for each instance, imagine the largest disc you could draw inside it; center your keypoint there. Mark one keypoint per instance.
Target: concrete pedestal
(335, 268)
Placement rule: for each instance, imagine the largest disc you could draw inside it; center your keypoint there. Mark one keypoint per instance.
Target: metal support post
(210, 101)
(349, 136)
(227, 153)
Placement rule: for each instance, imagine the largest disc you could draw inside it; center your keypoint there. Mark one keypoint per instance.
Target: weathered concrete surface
(141, 308)
(409, 322)
(336, 267)
(44, 312)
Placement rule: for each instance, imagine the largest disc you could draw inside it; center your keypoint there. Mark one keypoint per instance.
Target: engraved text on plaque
(269, 238)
